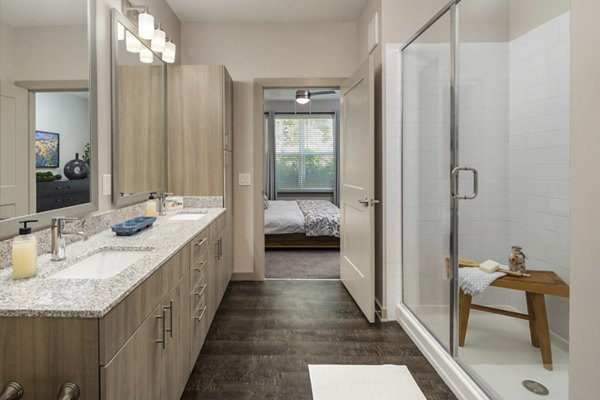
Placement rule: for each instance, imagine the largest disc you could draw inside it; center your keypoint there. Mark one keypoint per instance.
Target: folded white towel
(473, 281)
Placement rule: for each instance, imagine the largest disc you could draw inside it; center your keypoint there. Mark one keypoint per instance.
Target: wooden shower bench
(540, 283)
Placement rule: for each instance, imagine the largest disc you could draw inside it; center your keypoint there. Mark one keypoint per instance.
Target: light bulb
(302, 101)
(132, 43)
(120, 31)
(168, 54)
(158, 40)
(145, 26)
(146, 55)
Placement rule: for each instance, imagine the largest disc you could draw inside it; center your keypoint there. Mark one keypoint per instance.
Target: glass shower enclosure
(485, 166)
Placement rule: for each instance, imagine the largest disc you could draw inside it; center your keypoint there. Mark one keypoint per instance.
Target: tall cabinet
(200, 126)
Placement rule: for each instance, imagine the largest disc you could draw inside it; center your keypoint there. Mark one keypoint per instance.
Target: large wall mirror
(139, 115)
(47, 111)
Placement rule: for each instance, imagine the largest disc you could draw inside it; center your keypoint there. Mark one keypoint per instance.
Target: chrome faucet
(58, 237)
(162, 202)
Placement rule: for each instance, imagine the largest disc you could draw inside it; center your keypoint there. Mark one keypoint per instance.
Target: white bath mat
(363, 382)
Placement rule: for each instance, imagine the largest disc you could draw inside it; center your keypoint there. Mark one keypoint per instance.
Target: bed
(302, 224)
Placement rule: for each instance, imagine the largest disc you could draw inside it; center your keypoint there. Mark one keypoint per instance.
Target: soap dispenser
(24, 253)
(151, 206)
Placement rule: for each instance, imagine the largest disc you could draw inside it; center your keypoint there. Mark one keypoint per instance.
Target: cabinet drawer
(198, 295)
(199, 244)
(49, 203)
(198, 271)
(44, 189)
(72, 199)
(173, 269)
(76, 186)
(220, 223)
(198, 329)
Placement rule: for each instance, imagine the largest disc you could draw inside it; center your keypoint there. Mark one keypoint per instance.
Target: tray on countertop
(132, 226)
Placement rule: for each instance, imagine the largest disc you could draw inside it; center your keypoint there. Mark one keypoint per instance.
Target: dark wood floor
(265, 334)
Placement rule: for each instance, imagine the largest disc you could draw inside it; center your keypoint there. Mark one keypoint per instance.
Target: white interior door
(357, 187)
(14, 142)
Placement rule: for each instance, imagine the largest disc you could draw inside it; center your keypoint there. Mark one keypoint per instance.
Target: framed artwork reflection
(47, 149)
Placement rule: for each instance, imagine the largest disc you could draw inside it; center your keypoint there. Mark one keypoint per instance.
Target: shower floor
(498, 351)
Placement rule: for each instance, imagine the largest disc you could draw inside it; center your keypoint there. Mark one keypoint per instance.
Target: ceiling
(267, 11)
(289, 94)
(43, 13)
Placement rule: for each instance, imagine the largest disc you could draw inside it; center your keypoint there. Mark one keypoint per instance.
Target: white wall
(538, 155)
(585, 197)
(6, 52)
(252, 51)
(50, 53)
(68, 115)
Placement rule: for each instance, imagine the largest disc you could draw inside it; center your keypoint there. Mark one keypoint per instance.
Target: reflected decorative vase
(76, 169)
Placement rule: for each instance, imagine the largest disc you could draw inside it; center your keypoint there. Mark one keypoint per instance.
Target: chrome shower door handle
(454, 183)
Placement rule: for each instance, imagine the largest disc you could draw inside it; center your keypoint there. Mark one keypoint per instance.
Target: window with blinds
(305, 153)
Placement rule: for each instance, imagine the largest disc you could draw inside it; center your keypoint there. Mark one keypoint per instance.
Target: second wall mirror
(139, 115)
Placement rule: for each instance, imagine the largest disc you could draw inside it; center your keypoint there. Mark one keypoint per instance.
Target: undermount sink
(189, 216)
(102, 265)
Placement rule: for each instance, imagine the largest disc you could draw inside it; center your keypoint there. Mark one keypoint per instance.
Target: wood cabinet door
(195, 130)
(176, 368)
(135, 372)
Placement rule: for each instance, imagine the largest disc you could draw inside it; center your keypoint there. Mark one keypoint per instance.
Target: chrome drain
(536, 387)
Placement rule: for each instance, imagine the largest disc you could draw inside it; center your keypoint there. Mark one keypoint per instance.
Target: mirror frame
(130, 198)
(10, 227)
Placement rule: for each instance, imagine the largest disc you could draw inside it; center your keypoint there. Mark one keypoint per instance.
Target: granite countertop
(41, 296)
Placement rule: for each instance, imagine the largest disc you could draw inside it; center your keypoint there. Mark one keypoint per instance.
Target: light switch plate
(244, 179)
(106, 185)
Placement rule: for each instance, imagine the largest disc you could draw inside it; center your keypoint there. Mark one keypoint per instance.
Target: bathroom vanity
(133, 335)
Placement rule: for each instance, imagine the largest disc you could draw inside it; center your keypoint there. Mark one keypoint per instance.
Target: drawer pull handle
(163, 341)
(200, 243)
(201, 267)
(170, 308)
(199, 294)
(201, 315)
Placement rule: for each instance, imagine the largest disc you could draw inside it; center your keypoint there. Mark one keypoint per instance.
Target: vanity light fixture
(145, 25)
(146, 55)
(132, 43)
(302, 96)
(168, 54)
(159, 40)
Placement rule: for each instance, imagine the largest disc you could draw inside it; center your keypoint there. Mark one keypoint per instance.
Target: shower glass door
(513, 128)
(426, 127)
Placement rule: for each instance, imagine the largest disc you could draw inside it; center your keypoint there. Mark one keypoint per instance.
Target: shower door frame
(452, 8)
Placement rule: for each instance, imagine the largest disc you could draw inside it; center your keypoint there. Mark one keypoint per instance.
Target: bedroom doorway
(301, 182)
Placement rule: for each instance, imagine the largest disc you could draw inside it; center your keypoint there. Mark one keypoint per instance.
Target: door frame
(258, 184)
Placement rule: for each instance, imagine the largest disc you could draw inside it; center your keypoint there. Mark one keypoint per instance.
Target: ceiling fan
(303, 95)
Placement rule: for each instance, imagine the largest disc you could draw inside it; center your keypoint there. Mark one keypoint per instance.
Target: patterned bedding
(321, 218)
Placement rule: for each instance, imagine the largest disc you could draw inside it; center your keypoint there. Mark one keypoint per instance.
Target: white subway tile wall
(538, 155)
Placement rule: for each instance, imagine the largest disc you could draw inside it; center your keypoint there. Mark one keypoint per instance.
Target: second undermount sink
(102, 265)
(189, 215)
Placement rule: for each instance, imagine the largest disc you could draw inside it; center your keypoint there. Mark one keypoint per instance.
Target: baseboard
(461, 384)
(245, 276)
